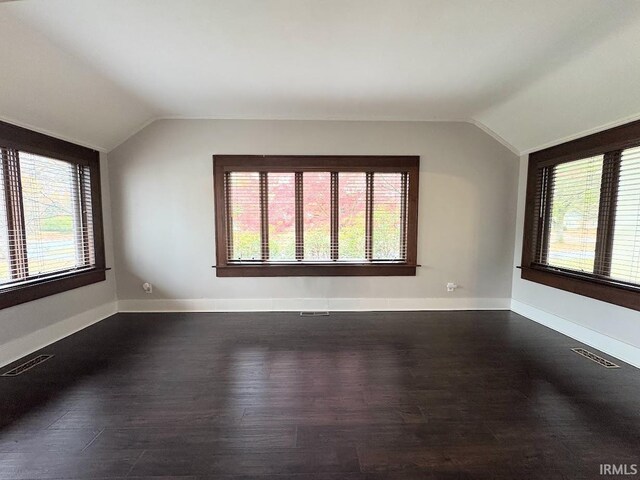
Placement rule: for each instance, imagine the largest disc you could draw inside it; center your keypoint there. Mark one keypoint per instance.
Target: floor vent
(595, 358)
(314, 314)
(29, 364)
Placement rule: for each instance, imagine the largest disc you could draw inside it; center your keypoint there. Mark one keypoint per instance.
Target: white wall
(48, 90)
(162, 201)
(30, 326)
(610, 328)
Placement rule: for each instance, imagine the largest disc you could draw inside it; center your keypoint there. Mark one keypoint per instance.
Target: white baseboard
(320, 304)
(611, 346)
(18, 348)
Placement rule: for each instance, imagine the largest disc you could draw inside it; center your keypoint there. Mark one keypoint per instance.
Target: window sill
(609, 291)
(317, 270)
(47, 286)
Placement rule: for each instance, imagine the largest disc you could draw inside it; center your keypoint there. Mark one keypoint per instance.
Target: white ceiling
(96, 70)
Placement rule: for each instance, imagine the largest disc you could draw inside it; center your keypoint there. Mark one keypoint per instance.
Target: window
(316, 215)
(50, 216)
(582, 223)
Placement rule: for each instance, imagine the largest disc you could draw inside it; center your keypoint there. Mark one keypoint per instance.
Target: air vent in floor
(314, 314)
(595, 358)
(29, 364)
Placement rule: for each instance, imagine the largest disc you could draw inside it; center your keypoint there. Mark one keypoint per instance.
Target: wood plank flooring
(353, 396)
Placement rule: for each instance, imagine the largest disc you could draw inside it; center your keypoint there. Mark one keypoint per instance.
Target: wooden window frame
(14, 138)
(298, 164)
(598, 285)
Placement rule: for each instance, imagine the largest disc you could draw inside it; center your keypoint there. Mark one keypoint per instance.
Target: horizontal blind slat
(574, 205)
(57, 231)
(243, 207)
(625, 254)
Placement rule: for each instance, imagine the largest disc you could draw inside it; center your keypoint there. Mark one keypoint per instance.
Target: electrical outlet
(147, 287)
(451, 286)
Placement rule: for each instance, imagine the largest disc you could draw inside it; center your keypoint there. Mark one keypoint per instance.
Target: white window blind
(389, 210)
(46, 225)
(575, 197)
(281, 202)
(625, 254)
(589, 210)
(316, 216)
(243, 214)
(352, 212)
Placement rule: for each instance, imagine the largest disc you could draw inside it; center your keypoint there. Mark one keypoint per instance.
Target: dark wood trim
(223, 229)
(304, 163)
(368, 222)
(403, 215)
(82, 215)
(23, 139)
(48, 286)
(315, 270)
(607, 212)
(546, 179)
(299, 220)
(264, 216)
(335, 216)
(15, 139)
(96, 210)
(531, 234)
(599, 289)
(617, 138)
(15, 214)
(609, 143)
(228, 218)
(408, 165)
(412, 216)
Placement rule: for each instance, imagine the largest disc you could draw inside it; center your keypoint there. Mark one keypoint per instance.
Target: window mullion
(544, 214)
(15, 214)
(299, 215)
(607, 212)
(334, 216)
(264, 215)
(82, 234)
(404, 198)
(228, 217)
(368, 248)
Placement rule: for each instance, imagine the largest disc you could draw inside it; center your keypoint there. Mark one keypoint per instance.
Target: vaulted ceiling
(531, 73)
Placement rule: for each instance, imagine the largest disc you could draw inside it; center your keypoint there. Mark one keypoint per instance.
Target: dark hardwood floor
(412, 395)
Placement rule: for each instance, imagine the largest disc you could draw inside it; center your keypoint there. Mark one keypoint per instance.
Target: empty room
(319, 239)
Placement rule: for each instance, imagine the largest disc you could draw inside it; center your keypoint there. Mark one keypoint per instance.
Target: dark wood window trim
(598, 285)
(17, 139)
(297, 164)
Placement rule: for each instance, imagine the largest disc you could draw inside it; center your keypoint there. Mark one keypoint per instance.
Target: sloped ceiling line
(530, 74)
